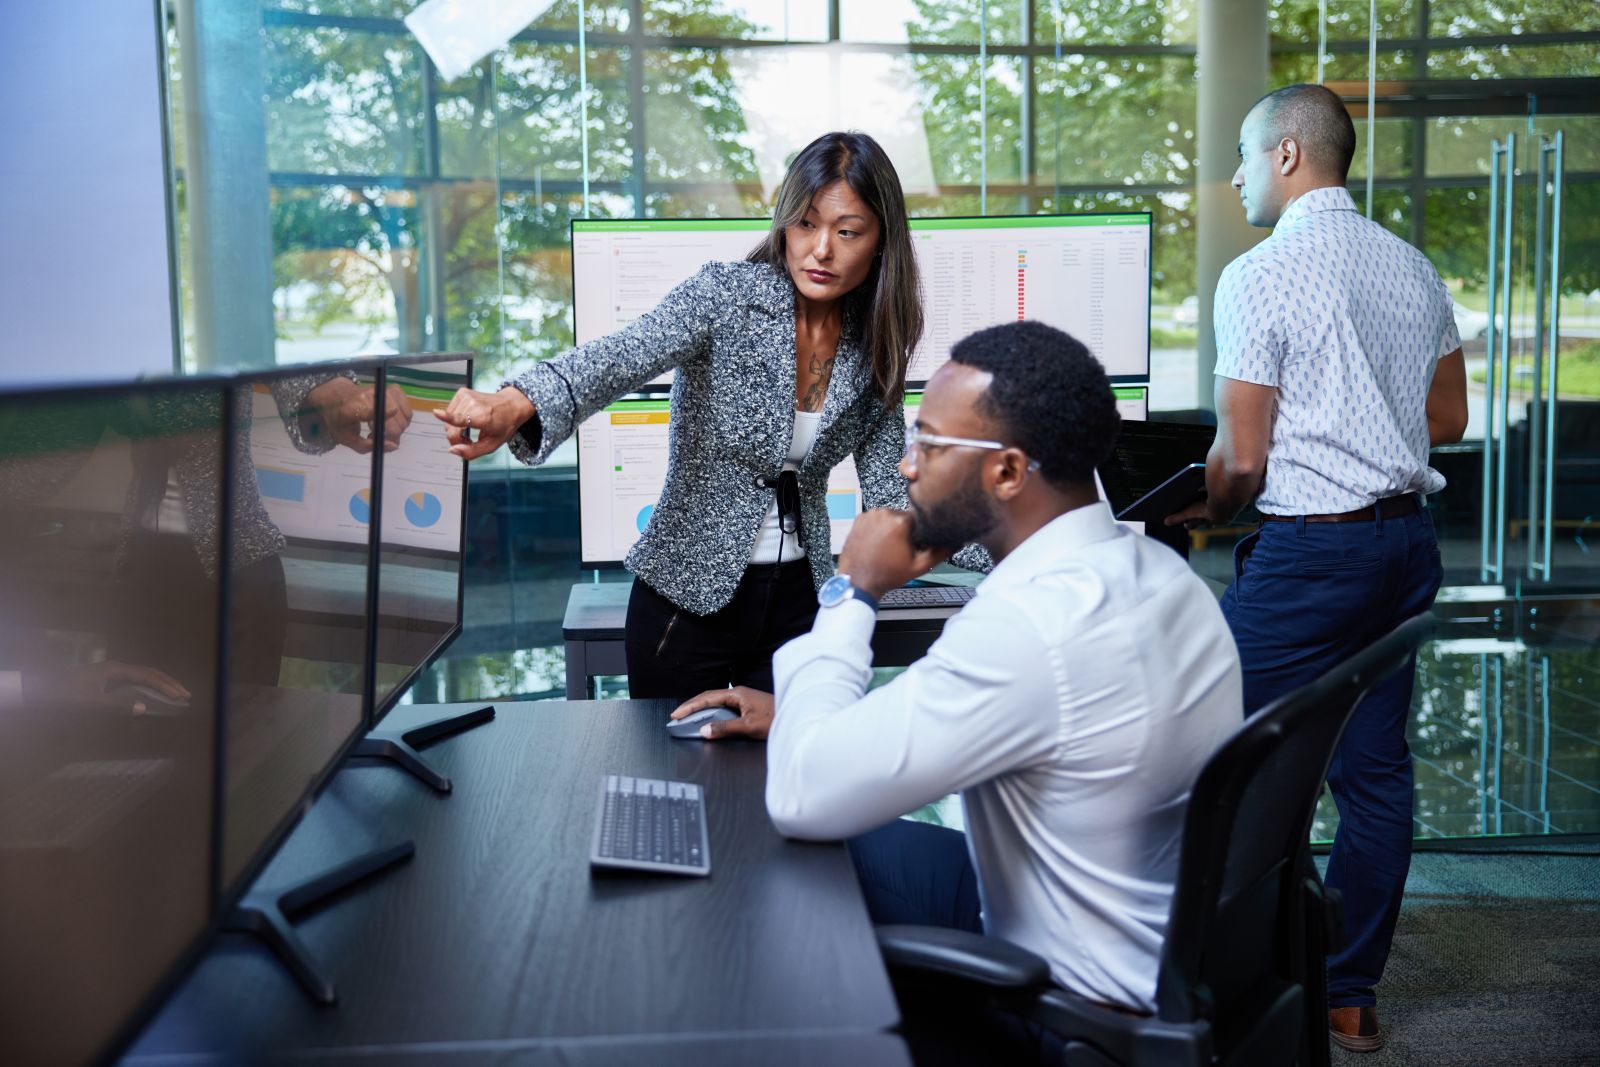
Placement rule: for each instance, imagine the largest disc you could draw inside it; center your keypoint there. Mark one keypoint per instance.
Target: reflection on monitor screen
(419, 548)
(109, 616)
(1086, 274)
(300, 522)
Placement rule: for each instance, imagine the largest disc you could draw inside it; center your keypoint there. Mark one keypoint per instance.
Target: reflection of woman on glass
(785, 363)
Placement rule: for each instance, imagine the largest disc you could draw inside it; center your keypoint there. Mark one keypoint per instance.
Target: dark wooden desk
(794, 1050)
(592, 632)
(496, 941)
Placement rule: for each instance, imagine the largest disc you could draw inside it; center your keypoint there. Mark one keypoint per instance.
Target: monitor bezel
(228, 896)
(148, 1004)
(376, 711)
(1116, 379)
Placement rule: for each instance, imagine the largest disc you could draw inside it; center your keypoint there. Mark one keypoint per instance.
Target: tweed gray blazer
(729, 332)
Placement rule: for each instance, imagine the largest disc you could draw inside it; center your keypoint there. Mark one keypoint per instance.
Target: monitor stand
(268, 914)
(397, 746)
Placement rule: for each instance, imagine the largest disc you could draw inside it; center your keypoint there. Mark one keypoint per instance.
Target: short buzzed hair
(1315, 119)
(1047, 395)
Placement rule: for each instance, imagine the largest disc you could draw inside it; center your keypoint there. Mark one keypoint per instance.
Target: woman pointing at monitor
(785, 363)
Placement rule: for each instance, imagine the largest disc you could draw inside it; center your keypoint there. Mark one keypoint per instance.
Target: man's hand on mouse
(753, 705)
(880, 554)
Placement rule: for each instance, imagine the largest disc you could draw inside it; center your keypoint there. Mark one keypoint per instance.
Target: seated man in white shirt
(1072, 702)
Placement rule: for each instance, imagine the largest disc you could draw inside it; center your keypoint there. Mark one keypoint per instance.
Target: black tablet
(1176, 493)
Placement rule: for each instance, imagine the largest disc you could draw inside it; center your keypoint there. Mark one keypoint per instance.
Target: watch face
(834, 590)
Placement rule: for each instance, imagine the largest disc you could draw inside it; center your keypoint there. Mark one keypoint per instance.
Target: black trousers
(674, 653)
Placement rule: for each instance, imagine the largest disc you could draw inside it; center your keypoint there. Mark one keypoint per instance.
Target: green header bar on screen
(1009, 222)
(667, 225)
(641, 405)
(1134, 392)
(913, 399)
(1029, 222)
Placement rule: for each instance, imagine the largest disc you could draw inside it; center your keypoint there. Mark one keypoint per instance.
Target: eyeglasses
(917, 439)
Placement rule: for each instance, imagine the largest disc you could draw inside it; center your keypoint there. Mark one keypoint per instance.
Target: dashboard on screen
(1086, 274)
(423, 497)
(622, 464)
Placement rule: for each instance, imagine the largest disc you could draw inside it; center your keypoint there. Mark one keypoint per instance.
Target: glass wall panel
(1471, 18)
(394, 9)
(747, 20)
(1391, 150)
(695, 122)
(600, 16)
(540, 113)
(345, 269)
(1347, 64)
(1064, 22)
(1520, 61)
(1296, 21)
(1459, 147)
(1143, 131)
(898, 22)
(341, 101)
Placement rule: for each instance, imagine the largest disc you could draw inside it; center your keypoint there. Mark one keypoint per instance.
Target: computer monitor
(111, 507)
(1087, 274)
(1133, 402)
(1147, 454)
(423, 496)
(622, 464)
(299, 529)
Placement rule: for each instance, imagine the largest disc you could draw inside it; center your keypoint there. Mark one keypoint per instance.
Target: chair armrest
(987, 961)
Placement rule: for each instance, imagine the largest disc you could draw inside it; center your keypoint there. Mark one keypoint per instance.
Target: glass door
(1506, 729)
(1539, 475)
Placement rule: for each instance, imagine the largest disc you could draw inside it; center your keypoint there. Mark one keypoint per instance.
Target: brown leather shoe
(1355, 1029)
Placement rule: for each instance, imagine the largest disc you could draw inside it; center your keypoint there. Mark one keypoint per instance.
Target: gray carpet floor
(1496, 961)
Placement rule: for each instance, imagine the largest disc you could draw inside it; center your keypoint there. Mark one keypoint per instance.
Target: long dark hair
(889, 302)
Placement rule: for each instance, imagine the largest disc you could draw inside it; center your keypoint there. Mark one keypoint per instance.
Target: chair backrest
(1245, 838)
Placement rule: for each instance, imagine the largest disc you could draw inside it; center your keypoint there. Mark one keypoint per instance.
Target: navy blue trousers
(916, 873)
(1305, 597)
(919, 874)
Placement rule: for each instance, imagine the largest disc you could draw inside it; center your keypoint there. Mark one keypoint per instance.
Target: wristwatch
(839, 588)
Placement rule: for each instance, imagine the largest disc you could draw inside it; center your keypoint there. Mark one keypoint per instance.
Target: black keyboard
(648, 824)
(927, 596)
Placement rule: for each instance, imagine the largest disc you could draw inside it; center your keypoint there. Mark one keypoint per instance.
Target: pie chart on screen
(361, 506)
(643, 518)
(423, 509)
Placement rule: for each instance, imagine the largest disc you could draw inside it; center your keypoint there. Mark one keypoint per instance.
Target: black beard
(959, 519)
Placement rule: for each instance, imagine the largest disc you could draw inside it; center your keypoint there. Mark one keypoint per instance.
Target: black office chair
(1241, 977)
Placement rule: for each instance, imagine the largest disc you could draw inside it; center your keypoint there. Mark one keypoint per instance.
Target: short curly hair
(1047, 395)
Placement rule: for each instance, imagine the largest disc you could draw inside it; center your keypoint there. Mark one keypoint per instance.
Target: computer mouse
(154, 700)
(689, 725)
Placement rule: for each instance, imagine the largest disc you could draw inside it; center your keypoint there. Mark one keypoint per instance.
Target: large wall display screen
(1086, 274)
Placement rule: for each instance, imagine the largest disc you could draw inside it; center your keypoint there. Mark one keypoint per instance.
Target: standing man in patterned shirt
(1338, 367)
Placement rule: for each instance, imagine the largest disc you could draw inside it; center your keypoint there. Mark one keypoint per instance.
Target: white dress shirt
(1348, 322)
(1072, 702)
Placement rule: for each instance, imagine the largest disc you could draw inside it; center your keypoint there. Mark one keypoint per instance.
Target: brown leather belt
(1390, 506)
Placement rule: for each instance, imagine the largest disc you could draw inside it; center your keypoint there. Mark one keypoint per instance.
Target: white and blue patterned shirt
(1347, 321)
